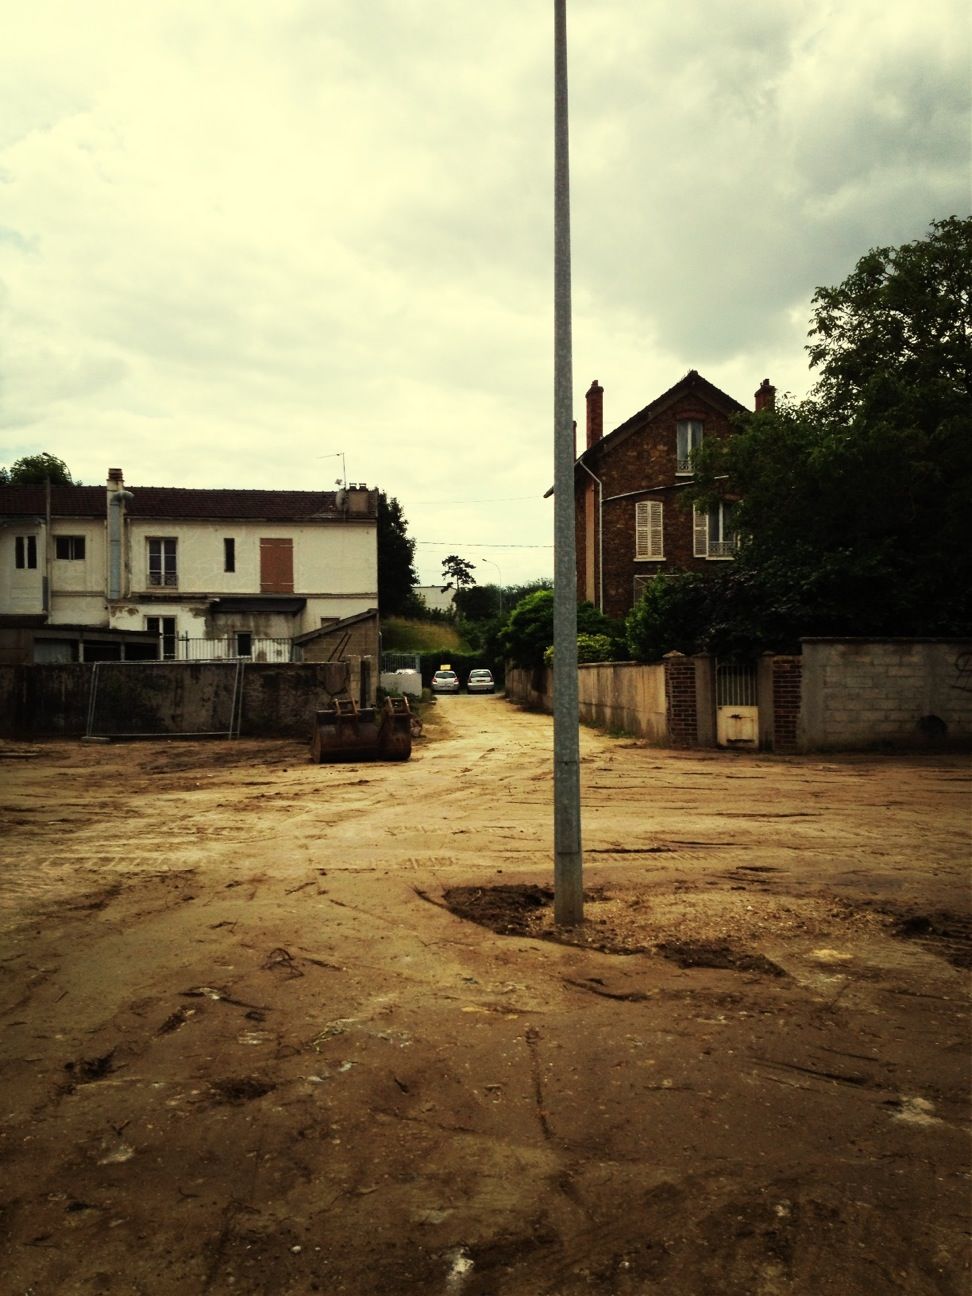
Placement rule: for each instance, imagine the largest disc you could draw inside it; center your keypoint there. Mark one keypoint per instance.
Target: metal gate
(393, 661)
(737, 714)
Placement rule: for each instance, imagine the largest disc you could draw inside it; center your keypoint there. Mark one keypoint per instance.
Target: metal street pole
(568, 864)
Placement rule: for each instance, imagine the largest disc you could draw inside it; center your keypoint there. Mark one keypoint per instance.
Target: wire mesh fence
(144, 699)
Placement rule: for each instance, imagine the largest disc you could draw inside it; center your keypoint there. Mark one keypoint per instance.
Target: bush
(674, 615)
(528, 631)
(591, 648)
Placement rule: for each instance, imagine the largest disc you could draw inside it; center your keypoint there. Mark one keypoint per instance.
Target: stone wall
(170, 698)
(906, 693)
(625, 697)
(840, 695)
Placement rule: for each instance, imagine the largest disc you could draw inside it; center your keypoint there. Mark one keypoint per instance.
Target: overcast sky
(241, 236)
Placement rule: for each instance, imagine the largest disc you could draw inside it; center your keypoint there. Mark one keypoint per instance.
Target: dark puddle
(515, 910)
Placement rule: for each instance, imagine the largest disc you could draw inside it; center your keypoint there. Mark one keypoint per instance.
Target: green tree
(34, 470)
(479, 603)
(528, 631)
(396, 559)
(458, 572)
(852, 505)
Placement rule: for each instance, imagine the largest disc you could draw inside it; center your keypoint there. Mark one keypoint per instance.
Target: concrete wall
(897, 692)
(170, 698)
(624, 696)
(530, 688)
(402, 681)
(840, 695)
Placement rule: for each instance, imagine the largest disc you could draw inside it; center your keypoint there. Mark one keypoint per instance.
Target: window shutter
(656, 532)
(700, 534)
(649, 529)
(642, 537)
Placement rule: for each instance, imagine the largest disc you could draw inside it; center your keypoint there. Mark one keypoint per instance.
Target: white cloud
(237, 237)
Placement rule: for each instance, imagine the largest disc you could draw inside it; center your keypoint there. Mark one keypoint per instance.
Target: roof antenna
(341, 481)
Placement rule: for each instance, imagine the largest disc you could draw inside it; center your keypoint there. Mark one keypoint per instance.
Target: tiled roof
(692, 384)
(174, 502)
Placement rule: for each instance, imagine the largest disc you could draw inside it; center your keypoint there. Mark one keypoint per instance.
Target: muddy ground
(255, 1038)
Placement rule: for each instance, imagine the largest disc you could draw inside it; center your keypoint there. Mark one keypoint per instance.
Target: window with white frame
(69, 548)
(688, 437)
(25, 551)
(713, 533)
(649, 530)
(165, 628)
(162, 561)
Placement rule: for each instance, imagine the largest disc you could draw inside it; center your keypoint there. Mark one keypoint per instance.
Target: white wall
(335, 564)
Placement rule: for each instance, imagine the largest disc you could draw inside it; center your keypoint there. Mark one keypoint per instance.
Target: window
(244, 644)
(688, 437)
(713, 533)
(162, 562)
(229, 554)
(165, 628)
(649, 534)
(69, 548)
(26, 551)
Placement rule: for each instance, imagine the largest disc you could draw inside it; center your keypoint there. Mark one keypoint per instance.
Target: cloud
(239, 237)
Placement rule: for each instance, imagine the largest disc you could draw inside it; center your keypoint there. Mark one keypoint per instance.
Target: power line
(470, 544)
(500, 499)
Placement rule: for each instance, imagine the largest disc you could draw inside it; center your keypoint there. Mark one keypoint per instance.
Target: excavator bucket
(347, 732)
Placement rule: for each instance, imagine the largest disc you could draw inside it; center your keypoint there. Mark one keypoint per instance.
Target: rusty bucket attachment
(347, 732)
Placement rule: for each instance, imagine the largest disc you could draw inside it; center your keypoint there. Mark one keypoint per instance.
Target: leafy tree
(34, 470)
(672, 615)
(396, 560)
(852, 505)
(528, 631)
(479, 603)
(895, 338)
(458, 572)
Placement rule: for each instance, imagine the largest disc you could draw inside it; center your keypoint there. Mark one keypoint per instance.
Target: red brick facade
(787, 673)
(680, 701)
(637, 462)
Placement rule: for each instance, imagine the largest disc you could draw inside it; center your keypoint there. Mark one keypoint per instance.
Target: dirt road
(247, 1046)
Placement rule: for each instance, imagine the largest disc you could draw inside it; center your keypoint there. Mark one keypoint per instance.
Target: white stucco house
(96, 572)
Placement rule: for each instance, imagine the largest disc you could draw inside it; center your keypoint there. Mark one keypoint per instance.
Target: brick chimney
(595, 413)
(765, 396)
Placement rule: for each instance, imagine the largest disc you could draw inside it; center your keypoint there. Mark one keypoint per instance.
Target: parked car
(480, 681)
(445, 681)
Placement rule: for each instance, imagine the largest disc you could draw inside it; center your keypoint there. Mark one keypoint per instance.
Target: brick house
(631, 523)
(107, 572)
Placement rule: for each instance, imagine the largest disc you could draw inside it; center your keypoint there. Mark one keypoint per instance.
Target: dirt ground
(256, 1037)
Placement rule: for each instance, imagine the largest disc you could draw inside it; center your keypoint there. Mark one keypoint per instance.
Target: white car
(480, 681)
(445, 681)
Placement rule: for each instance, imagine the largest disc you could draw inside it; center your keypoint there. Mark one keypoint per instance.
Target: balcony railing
(722, 548)
(233, 647)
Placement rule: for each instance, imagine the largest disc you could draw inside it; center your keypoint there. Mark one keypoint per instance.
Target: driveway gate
(737, 715)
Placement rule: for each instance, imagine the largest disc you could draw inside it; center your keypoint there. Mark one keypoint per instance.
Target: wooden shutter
(276, 566)
(700, 533)
(649, 529)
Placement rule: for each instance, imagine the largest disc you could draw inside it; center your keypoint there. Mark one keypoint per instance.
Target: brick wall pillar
(787, 675)
(680, 700)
